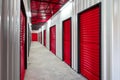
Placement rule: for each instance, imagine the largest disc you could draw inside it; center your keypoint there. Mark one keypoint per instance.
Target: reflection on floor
(43, 65)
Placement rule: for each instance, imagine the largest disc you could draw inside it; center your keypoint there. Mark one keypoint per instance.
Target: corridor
(43, 65)
(59, 39)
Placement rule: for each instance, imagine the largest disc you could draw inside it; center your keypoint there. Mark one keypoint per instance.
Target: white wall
(0, 37)
(110, 34)
(116, 41)
(10, 39)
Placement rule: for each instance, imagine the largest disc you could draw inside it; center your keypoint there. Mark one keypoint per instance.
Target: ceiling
(42, 10)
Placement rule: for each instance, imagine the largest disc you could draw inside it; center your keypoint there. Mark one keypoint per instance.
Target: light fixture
(44, 17)
(43, 14)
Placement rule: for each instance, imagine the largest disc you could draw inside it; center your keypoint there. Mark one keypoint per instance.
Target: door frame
(78, 40)
(70, 40)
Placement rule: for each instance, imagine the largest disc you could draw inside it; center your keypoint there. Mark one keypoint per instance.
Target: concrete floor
(43, 65)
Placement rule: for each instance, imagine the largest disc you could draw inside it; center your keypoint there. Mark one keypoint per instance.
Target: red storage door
(89, 46)
(67, 41)
(53, 39)
(41, 37)
(34, 37)
(22, 45)
(44, 37)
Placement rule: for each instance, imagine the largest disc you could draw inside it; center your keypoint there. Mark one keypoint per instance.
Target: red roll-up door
(34, 37)
(44, 37)
(89, 47)
(67, 41)
(22, 45)
(41, 37)
(53, 39)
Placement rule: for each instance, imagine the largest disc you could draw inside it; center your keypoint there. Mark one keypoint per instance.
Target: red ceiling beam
(35, 21)
(38, 12)
(49, 2)
(35, 18)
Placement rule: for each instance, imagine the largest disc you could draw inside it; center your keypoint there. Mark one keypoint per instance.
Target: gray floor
(43, 65)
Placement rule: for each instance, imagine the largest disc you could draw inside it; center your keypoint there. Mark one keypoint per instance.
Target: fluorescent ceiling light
(44, 17)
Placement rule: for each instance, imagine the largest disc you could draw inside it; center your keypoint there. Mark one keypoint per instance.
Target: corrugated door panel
(44, 37)
(41, 37)
(34, 37)
(53, 39)
(89, 37)
(22, 46)
(67, 41)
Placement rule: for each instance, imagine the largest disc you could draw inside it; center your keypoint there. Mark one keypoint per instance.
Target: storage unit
(22, 45)
(34, 37)
(53, 39)
(67, 41)
(44, 37)
(89, 40)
